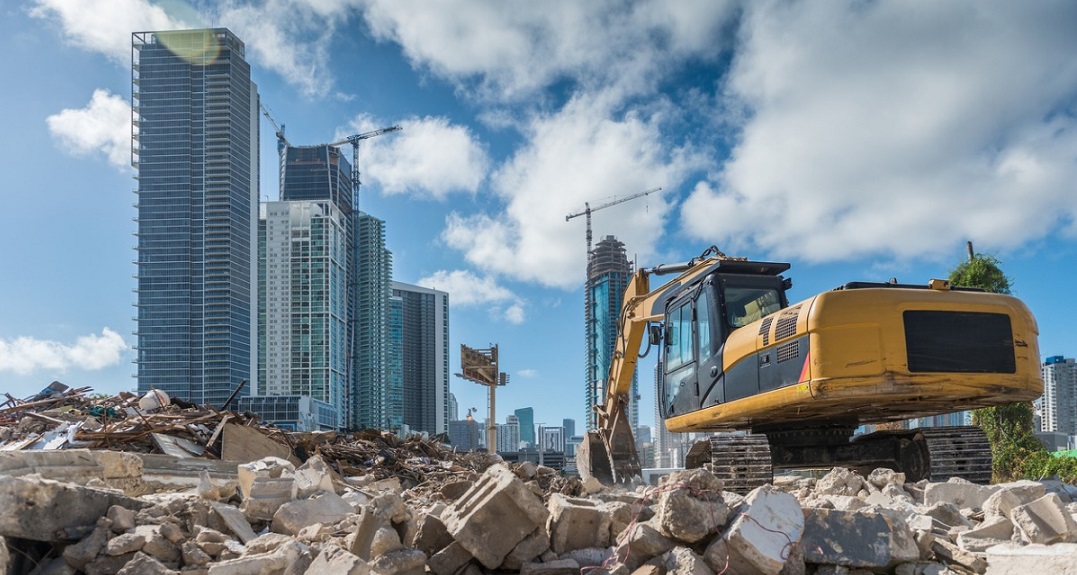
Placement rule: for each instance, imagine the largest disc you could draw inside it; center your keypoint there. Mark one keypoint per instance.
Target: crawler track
(957, 452)
(742, 462)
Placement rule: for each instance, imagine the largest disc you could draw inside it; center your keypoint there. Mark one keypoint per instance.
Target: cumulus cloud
(511, 50)
(105, 26)
(579, 154)
(289, 38)
(527, 373)
(25, 355)
(466, 289)
(429, 156)
(872, 129)
(104, 125)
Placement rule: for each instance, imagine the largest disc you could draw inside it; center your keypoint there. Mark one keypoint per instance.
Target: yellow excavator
(800, 379)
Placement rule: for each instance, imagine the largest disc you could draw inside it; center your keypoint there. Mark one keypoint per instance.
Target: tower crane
(588, 209)
(592, 385)
(354, 141)
(282, 142)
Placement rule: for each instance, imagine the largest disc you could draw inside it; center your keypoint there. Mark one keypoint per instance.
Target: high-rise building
(1058, 406)
(370, 403)
(608, 275)
(303, 336)
(526, 415)
(454, 408)
(424, 356)
(570, 427)
(552, 439)
(467, 434)
(508, 435)
(195, 147)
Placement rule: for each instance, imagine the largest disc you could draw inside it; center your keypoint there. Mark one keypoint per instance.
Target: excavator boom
(608, 452)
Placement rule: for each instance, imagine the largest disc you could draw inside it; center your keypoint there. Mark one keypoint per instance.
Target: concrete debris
(374, 504)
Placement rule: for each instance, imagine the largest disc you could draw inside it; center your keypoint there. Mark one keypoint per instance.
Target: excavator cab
(698, 320)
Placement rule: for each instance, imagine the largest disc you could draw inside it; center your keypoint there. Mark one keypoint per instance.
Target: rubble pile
(274, 517)
(62, 418)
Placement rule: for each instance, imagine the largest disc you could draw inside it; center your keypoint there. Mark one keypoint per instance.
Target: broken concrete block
(235, 520)
(952, 554)
(193, 555)
(1045, 520)
(81, 553)
(845, 502)
(494, 516)
(1011, 559)
(122, 518)
(125, 543)
(684, 561)
(326, 508)
(313, 477)
(690, 505)
(882, 477)
(640, 543)
(449, 560)
(335, 561)
(763, 533)
(556, 567)
(386, 540)
(963, 494)
(534, 545)
(46, 510)
(156, 545)
(839, 481)
(267, 542)
(402, 562)
(993, 531)
(431, 535)
(265, 485)
(142, 564)
(856, 539)
(291, 557)
(577, 523)
(367, 524)
(947, 513)
(1011, 495)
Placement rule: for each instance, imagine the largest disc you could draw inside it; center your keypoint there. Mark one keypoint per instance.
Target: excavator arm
(608, 453)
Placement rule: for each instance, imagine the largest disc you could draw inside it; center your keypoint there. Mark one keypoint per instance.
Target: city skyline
(854, 141)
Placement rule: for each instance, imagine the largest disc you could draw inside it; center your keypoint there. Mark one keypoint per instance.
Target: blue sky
(858, 141)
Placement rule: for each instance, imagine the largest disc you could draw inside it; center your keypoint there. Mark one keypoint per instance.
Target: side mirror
(654, 334)
(787, 284)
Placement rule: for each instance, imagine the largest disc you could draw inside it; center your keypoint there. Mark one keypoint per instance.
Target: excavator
(787, 386)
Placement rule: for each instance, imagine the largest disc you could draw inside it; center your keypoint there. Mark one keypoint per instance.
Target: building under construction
(608, 274)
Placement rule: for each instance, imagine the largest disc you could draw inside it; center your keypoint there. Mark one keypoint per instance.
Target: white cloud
(289, 38)
(527, 373)
(580, 153)
(25, 355)
(511, 50)
(428, 156)
(875, 129)
(104, 125)
(105, 26)
(466, 289)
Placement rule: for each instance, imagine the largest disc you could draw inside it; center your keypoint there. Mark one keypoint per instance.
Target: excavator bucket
(609, 454)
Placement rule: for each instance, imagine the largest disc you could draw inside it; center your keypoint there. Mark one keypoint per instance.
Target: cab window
(679, 349)
(747, 304)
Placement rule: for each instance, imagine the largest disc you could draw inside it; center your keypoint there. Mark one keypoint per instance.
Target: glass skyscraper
(370, 404)
(424, 356)
(195, 147)
(608, 274)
